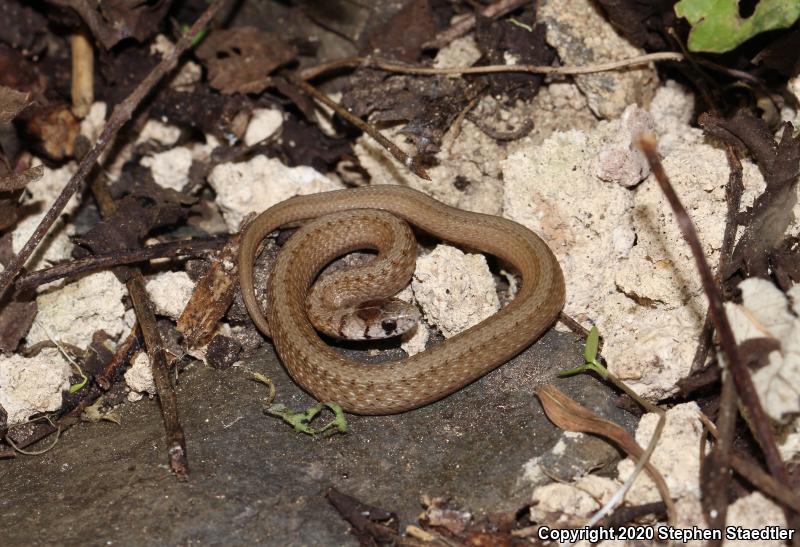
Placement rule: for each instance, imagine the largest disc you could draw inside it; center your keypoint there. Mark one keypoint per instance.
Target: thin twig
(172, 249)
(696, 61)
(572, 324)
(525, 127)
(21, 450)
(718, 463)
(741, 375)
(455, 127)
(119, 117)
(176, 441)
(123, 354)
(715, 467)
(533, 69)
(395, 150)
(700, 380)
(755, 476)
(389, 66)
(642, 462)
(733, 199)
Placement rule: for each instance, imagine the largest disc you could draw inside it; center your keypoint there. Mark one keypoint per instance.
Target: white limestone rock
(29, 385)
(139, 378)
(264, 122)
(467, 173)
(252, 186)
(672, 110)
(159, 132)
(455, 290)
(582, 36)
(56, 245)
(170, 292)
(621, 161)
(74, 312)
(676, 456)
(765, 313)
(580, 498)
(755, 511)
(552, 190)
(170, 168)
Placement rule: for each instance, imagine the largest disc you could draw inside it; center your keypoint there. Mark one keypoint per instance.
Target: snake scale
(352, 219)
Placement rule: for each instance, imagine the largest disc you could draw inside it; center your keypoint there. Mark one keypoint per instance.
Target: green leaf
(301, 421)
(592, 343)
(717, 26)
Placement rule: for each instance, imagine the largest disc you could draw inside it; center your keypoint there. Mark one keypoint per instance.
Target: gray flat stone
(255, 481)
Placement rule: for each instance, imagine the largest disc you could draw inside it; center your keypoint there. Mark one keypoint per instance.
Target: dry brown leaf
(11, 103)
(17, 312)
(17, 181)
(94, 414)
(56, 127)
(212, 296)
(402, 36)
(16, 318)
(572, 416)
(240, 59)
(766, 222)
(113, 20)
(146, 207)
(11, 186)
(8, 211)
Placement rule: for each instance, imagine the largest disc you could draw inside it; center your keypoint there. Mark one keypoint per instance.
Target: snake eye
(389, 326)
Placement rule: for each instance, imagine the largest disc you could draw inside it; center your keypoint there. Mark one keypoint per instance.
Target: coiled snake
(348, 220)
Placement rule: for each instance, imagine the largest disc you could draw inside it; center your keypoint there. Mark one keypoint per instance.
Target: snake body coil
(350, 220)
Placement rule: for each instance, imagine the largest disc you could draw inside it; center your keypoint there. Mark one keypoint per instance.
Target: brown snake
(348, 220)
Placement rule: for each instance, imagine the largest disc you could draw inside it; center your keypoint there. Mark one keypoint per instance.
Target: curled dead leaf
(114, 20)
(11, 103)
(767, 220)
(572, 416)
(239, 60)
(11, 186)
(17, 181)
(145, 208)
(56, 128)
(212, 296)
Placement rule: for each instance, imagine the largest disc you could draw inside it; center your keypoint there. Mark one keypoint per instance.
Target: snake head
(378, 319)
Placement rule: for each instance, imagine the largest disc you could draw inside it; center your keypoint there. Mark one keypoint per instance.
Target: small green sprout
(301, 421)
(197, 37)
(590, 355)
(75, 388)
